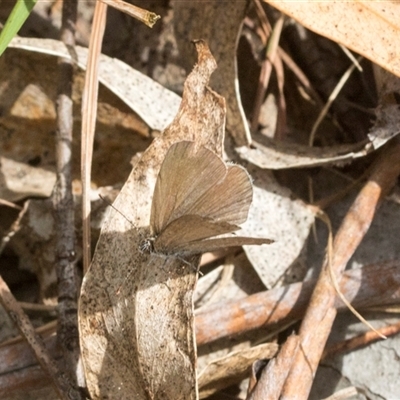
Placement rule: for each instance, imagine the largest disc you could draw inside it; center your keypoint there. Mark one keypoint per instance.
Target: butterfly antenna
(116, 209)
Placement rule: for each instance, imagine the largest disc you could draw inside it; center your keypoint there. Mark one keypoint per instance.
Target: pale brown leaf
(370, 28)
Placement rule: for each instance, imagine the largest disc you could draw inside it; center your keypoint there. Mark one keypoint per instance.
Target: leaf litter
(284, 155)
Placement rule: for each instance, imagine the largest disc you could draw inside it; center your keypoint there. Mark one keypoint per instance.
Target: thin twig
(331, 99)
(273, 376)
(10, 204)
(147, 17)
(64, 205)
(60, 381)
(361, 340)
(266, 71)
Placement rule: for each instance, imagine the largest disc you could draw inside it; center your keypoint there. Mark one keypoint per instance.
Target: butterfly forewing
(229, 200)
(185, 175)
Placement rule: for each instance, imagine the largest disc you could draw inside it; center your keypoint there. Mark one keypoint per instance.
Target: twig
(266, 71)
(363, 287)
(273, 376)
(43, 330)
(321, 312)
(147, 17)
(331, 99)
(60, 382)
(361, 340)
(64, 205)
(10, 204)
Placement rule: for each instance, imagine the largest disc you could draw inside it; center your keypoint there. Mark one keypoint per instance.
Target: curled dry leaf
(136, 309)
(272, 154)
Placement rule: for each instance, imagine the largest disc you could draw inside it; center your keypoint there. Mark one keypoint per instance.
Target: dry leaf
(136, 310)
(370, 28)
(286, 220)
(21, 180)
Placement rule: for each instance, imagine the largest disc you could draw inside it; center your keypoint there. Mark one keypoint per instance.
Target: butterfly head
(147, 245)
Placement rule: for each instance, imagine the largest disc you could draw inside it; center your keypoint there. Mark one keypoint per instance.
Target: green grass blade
(18, 15)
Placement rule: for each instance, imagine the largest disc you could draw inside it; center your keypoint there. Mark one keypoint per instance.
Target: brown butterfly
(197, 197)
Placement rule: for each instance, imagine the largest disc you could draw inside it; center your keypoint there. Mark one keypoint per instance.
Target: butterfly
(197, 198)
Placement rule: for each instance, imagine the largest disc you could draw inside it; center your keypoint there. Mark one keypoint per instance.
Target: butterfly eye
(146, 246)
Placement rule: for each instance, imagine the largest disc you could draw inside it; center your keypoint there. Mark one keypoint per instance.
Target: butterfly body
(198, 198)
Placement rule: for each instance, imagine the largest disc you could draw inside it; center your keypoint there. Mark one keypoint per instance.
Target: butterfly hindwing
(186, 229)
(203, 246)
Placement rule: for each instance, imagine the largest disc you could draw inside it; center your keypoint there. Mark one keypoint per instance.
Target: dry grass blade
(147, 17)
(331, 99)
(89, 114)
(10, 204)
(335, 283)
(271, 53)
